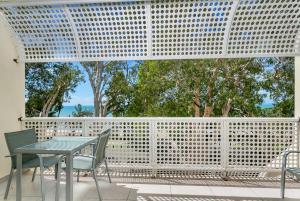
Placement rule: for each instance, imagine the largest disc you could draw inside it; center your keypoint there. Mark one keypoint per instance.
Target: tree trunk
(96, 107)
(208, 106)
(196, 103)
(226, 108)
(49, 103)
(207, 110)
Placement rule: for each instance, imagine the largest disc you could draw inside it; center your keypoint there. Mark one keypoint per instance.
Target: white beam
(228, 27)
(74, 30)
(55, 2)
(297, 86)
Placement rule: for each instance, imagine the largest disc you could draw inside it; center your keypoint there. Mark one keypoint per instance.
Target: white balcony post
(297, 86)
(297, 97)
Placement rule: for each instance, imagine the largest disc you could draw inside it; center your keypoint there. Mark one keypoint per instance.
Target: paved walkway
(139, 189)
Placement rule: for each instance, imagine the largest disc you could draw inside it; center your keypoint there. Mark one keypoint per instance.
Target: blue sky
(83, 93)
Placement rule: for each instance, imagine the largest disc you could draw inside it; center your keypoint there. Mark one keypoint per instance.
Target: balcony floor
(132, 189)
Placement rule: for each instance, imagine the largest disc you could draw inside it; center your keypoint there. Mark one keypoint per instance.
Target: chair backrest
(101, 147)
(18, 139)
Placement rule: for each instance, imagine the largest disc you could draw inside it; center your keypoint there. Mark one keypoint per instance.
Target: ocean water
(67, 111)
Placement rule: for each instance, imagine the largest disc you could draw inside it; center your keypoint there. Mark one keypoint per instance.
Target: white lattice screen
(159, 146)
(74, 30)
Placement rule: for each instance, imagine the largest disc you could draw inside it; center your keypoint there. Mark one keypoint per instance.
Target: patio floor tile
(144, 189)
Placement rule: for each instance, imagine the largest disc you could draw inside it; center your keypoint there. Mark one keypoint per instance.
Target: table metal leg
(69, 177)
(57, 191)
(42, 178)
(19, 178)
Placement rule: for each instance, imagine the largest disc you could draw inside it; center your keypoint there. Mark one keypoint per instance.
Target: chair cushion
(47, 161)
(81, 163)
(294, 170)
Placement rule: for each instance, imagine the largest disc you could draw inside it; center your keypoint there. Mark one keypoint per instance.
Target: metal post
(97, 185)
(33, 175)
(19, 178)
(297, 87)
(283, 173)
(58, 180)
(153, 147)
(224, 146)
(298, 147)
(42, 178)
(69, 177)
(11, 174)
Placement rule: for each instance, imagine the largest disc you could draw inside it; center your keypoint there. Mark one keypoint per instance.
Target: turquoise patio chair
(90, 163)
(18, 139)
(284, 169)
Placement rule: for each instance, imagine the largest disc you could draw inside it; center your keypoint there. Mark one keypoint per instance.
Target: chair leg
(78, 175)
(33, 175)
(58, 181)
(282, 185)
(97, 185)
(8, 183)
(55, 170)
(107, 171)
(42, 178)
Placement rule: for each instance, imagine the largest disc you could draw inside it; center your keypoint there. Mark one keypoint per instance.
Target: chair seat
(81, 163)
(294, 170)
(47, 161)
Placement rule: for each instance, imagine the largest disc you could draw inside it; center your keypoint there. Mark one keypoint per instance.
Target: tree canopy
(81, 112)
(208, 87)
(176, 88)
(48, 85)
(219, 87)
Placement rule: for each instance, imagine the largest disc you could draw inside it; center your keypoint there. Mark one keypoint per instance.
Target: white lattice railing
(170, 145)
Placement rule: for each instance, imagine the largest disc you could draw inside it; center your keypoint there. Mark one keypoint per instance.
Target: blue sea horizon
(68, 110)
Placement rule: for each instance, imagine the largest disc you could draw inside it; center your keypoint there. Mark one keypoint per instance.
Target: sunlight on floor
(139, 189)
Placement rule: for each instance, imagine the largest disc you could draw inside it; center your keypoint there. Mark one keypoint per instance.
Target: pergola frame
(89, 30)
(246, 28)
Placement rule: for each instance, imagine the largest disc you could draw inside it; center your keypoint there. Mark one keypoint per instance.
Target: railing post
(224, 146)
(84, 127)
(153, 146)
(298, 142)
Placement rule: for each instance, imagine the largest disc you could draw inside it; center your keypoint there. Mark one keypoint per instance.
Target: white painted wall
(12, 87)
(297, 86)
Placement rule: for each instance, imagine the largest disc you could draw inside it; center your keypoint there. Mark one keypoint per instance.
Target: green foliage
(280, 82)
(103, 77)
(80, 112)
(48, 85)
(167, 88)
(207, 87)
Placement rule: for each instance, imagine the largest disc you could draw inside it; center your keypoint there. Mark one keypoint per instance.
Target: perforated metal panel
(155, 29)
(265, 27)
(46, 129)
(129, 144)
(189, 143)
(182, 147)
(189, 28)
(256, 144)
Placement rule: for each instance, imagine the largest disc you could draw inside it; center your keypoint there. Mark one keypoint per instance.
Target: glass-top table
(58, 145)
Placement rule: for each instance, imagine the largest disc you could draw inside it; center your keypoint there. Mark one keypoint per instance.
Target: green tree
(80, 112)
(120, 91)
(280, 83)
(48, 85)
(209, 87)
(108, 80)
